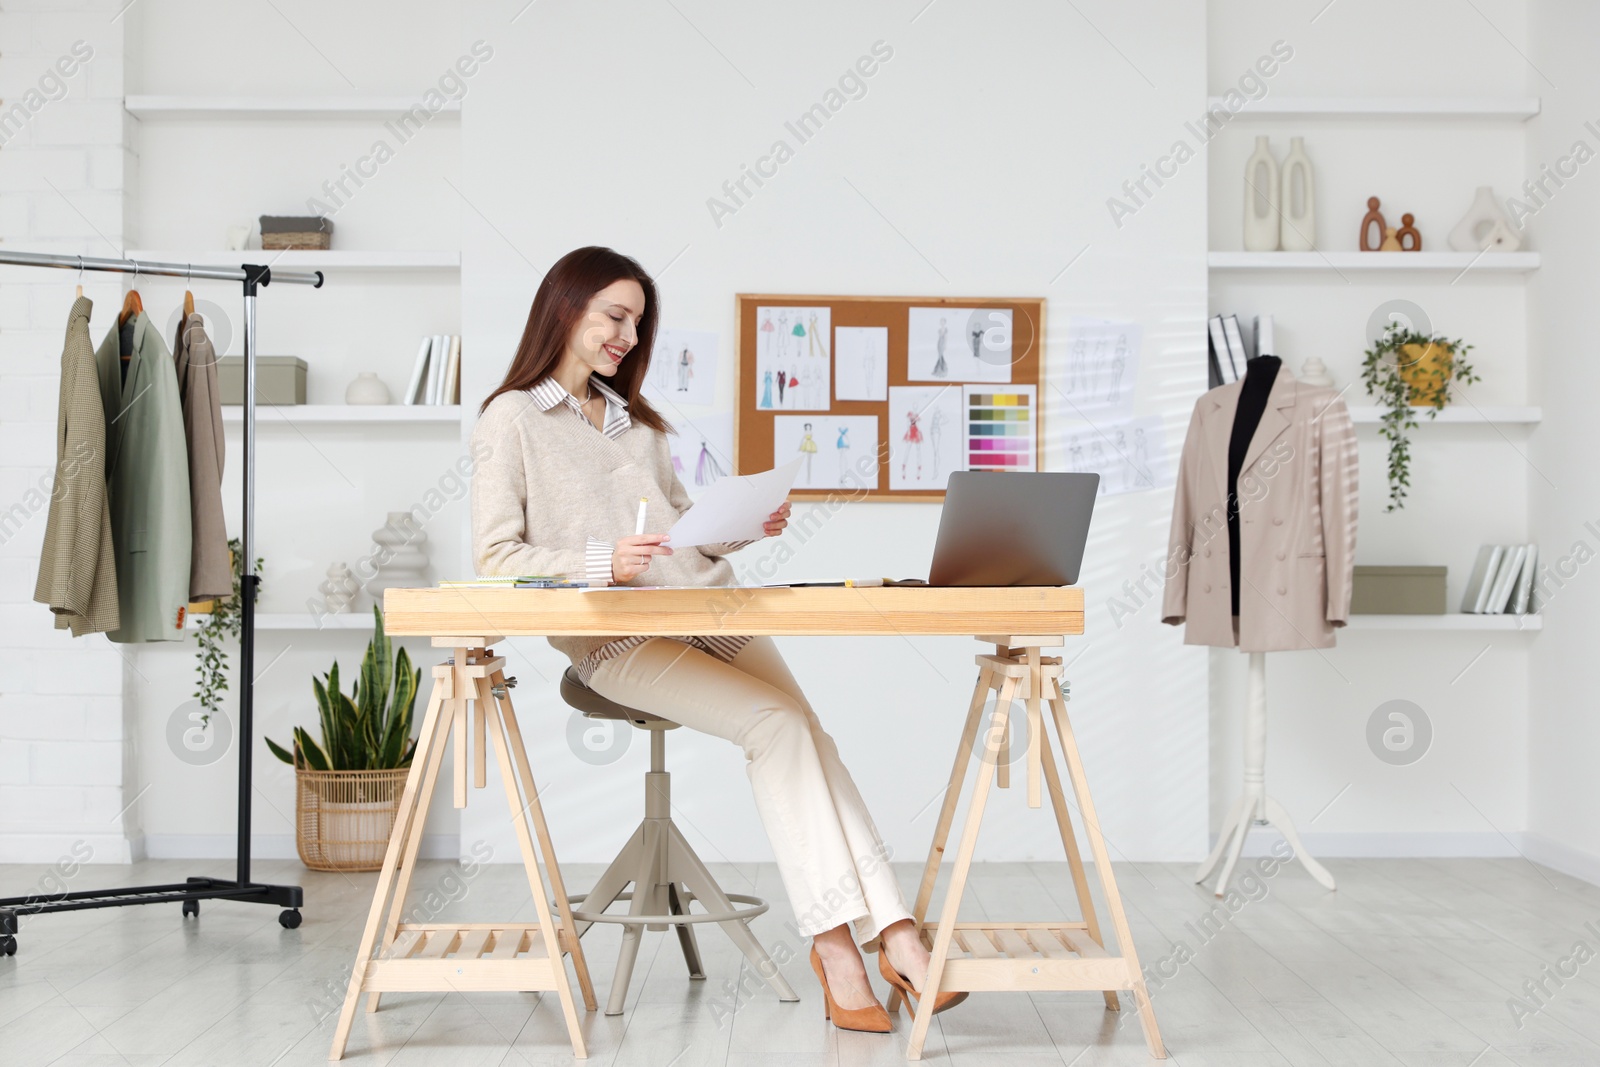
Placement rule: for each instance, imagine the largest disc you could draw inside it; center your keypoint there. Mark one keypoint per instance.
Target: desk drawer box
(1398, 591)
(279, 379)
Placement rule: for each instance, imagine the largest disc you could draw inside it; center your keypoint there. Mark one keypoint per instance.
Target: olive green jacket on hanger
(195, 360)
(77, 572)
(147, 474)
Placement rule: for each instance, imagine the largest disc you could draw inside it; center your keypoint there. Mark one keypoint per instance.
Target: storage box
(279, 379)
(296, 231)
(1398, 591)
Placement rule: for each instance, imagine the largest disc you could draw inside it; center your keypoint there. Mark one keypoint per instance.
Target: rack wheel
(289, 919)
(8, 945)
(191, 907)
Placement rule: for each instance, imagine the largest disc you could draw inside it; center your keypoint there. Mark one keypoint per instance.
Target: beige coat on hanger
(1297, 523)
(195, 360)
(77, 570)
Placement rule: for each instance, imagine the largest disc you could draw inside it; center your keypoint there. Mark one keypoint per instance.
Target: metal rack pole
(193, 890)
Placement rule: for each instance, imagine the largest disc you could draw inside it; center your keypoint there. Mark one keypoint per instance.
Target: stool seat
(595, 706)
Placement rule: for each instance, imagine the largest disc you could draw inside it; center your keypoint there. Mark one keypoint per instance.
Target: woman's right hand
(631, 555)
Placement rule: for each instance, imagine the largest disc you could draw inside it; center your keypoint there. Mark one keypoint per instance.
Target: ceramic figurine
(1262, 202)
(1299, 226)
(1485, 227)
(1370, 241)
(1410, 237)
(1391, 242)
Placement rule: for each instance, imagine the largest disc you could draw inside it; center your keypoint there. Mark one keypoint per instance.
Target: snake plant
(370, 729)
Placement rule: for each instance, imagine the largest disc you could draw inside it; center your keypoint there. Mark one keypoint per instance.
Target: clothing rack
(192, 890)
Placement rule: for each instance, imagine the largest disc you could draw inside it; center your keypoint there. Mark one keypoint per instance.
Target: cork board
(976, 364)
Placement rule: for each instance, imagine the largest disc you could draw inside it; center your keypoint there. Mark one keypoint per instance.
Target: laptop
(1013, 528)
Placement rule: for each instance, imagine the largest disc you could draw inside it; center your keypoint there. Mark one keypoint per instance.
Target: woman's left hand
(777, 520)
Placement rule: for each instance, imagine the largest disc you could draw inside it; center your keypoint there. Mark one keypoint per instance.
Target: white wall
(1468, 482)
(1564, 734)
(67, 778)
(978, 162)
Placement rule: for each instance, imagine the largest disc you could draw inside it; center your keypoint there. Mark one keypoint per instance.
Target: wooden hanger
(80, 275)
(131, 306)
(188, 297)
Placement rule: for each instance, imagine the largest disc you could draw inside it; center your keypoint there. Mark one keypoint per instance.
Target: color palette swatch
(1000, 427)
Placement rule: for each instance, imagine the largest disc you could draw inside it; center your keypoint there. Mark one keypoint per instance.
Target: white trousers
(833, 863)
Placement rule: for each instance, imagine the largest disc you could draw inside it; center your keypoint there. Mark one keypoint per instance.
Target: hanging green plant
(224, 622)
(1405, 370)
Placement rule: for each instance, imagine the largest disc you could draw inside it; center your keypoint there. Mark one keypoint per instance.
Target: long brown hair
(559, 304)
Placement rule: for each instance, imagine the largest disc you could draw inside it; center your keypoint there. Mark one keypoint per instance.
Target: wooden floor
(1411, 962)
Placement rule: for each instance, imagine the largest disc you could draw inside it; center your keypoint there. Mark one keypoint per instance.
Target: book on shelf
(436, 375)
(419, 373)
(1502, 580)
(1224, 369)
(1505, 578)
(1522, 598)
(1241, 356)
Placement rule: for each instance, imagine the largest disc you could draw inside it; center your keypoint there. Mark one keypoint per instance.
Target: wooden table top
(830, 610)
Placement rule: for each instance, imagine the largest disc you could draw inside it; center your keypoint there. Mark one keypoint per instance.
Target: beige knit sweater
(551, 494)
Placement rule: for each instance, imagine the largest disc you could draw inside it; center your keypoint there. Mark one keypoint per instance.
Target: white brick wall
(64, 175)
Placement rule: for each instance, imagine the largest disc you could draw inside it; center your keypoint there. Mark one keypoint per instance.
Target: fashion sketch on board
(854, 439)
(861, 363)
(927, 440)
(1102, 366)
(683, 367)
(797, 354)
(959, 344)
(702, 449)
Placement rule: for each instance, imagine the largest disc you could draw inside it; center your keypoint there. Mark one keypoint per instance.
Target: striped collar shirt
(549, 393)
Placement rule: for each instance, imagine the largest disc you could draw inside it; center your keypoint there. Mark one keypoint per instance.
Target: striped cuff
(597, 562)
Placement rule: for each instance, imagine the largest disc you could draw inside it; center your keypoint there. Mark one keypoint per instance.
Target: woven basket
(344, 818)
(273, 242)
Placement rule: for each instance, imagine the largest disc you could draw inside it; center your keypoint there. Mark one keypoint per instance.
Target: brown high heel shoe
(900, 982)
(872, 1020)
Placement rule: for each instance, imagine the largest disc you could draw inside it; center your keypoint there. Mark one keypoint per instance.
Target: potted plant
(1405, 370)
(348, 788)
(219, 620)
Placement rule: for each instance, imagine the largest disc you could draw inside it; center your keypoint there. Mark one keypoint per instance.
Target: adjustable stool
(663, 869)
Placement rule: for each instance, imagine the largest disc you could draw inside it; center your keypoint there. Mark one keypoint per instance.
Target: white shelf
(247, 107)
(1456, 413)
(309, 259)
(1514, 108)
(1457, 621)
(1451, 263)
(268, 414)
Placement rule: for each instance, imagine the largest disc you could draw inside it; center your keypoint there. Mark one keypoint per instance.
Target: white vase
(1262, 199)
(367, 388)
(340, 590)
(398, 558)
(1315, 372)
(1485, 227)
(1299, 232)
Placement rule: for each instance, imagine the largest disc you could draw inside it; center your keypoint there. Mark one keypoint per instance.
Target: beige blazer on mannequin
(1297, 523)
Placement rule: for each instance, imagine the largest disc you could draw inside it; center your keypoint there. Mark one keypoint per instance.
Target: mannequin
(1253, 807)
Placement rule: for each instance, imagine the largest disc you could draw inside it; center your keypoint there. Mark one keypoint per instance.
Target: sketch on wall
(683, 367)
(836, 451)
(702, 449)
(958, 345)
(793, 358)
(1130, 456)
(861, 362)
(1102, 364)
(925, 429)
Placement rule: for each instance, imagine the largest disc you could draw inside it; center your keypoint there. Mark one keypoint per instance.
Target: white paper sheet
(734, 508)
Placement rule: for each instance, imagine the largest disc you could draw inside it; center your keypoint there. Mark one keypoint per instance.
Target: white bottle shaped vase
(1262, 200)
(1299, 222)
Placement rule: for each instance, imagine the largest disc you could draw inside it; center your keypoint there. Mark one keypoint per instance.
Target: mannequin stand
(1254, 807)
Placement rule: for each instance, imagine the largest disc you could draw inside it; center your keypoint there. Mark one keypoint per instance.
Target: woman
(571, 447)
